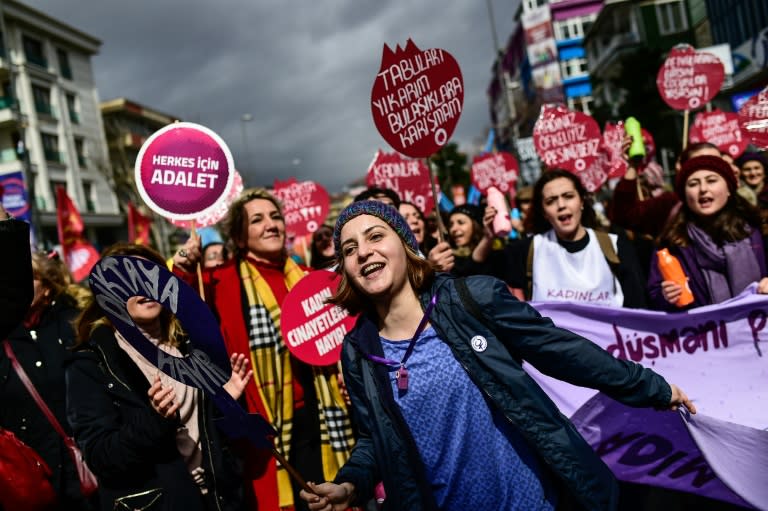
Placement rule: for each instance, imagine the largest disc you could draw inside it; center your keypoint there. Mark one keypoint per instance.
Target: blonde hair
(235, 223)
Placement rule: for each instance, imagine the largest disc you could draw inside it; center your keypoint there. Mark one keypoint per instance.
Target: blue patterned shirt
(474, 459)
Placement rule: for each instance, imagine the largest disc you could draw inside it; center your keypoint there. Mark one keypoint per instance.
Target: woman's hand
(679, 398)
(162, 399)
(488, 216)
(329, 496)
(240, 377)
(188, 255)
(671, 291)
(762, 286)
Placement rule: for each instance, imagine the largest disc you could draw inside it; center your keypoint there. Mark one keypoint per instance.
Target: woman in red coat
(303, 403)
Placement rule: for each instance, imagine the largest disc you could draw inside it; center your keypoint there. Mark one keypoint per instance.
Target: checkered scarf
(271, 364)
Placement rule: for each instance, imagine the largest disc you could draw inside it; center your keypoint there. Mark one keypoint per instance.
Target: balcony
(6, 110)
(37, 60)
(53, 156)
(605, 53)
(44, 108)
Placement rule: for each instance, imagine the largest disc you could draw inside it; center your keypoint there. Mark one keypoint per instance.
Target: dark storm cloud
(303, 70)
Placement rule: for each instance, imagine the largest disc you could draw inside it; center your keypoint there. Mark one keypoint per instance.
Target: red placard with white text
(305, 205)
(688, 78)
(753, 117)
(719, 128)
(613, 139)
(495, 169)
(572, 141)
(408, 178)
(312, 329)
(417, 99)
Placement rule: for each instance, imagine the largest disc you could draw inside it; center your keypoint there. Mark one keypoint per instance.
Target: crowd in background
(152, 441)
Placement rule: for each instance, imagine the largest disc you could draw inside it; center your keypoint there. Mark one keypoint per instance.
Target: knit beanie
(712, 163)
(472, 211)
(378, 209)
(752, 156)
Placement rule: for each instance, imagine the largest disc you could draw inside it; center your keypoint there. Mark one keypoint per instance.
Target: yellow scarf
(271, 364)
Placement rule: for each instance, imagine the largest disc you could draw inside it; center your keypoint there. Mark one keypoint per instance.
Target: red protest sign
(183, 170)
(571, 141)
(417, 99)
(753, 117)
(495, 169)
(615, 165)
(217, 213)
(408, 178)
(312, 329)
(689, 78)
(305, 205)
(719, 128)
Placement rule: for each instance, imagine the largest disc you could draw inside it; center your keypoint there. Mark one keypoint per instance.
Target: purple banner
(717, 355)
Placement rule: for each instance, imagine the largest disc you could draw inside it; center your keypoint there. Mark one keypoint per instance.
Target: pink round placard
(719, 128)
(753, 117)
(312, 329)
(689, 78)
(183, 170)
(494, 169)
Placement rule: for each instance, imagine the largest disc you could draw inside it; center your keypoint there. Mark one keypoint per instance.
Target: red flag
(79, 254)
(138, 226)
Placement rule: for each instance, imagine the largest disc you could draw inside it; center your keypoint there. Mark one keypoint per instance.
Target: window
(573, 28)
(33, 51)
(42, 97)
(671, 17)
(72, 108)
(573, 67)
(529, 5)
(51, 147)
(90, 205)
(64, 68)
(581, 104)
(80, 150)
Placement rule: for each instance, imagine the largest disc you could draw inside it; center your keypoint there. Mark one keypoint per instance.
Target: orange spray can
(671, 269)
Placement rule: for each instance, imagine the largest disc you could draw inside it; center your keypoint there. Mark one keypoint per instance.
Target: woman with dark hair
(448, 418)
(149, 439)
(321, 249)
(302, 402)
(716, 236)
(41, 344)
(472, 239)
(568, 259)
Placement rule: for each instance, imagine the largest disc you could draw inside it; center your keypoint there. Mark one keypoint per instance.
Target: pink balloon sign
(408, 178)
(215, 215)
(495, 169)
(689, 78)
(305, 205)
(417, 99)
(312, 329)
(753, 117)
(571, 141)
(183, 170)
(719, 128)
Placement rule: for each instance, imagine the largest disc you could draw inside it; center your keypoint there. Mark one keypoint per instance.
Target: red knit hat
(712, 163)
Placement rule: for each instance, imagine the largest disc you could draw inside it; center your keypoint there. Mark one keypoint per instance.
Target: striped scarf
(271, 364)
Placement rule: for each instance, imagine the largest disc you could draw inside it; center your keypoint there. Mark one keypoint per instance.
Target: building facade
(50, 124)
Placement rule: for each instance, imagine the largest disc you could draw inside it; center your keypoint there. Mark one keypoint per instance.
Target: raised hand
(240, 377)
(163, 399)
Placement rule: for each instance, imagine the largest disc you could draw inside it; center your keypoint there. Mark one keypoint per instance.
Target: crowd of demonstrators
(426, 427)
(569, 258)
(41, 343)
(150, 439)
(303, 403)
(471, 232)
(716, 236)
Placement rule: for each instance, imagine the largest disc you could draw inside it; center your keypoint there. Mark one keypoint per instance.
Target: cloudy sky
(302, 69)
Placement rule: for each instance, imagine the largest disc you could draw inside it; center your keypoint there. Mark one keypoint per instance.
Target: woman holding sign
(150, 440)
(298, 400)
(448, 418)
(716, 238)
(568, 259)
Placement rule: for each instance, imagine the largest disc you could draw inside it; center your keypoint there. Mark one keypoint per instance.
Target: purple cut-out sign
(183, 170)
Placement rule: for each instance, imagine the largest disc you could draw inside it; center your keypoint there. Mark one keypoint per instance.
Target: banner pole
(432, 181)
(685, 128)
(291, 471)
(199, 265)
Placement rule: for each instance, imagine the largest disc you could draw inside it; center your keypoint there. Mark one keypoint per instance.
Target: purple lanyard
(402, 373)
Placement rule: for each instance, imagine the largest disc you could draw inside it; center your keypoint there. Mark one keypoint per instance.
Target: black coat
(386, 451)
(42, 352)
(130, 447)
(15, 274)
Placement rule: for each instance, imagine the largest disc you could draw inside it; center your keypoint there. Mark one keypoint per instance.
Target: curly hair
(235, 224)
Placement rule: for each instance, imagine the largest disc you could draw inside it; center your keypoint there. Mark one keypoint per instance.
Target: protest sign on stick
(495, 169)
(312, 329)
(753, 117)
(571, 141)
(721, 129)
(305, 206)
(688, 79)
(410, 179)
